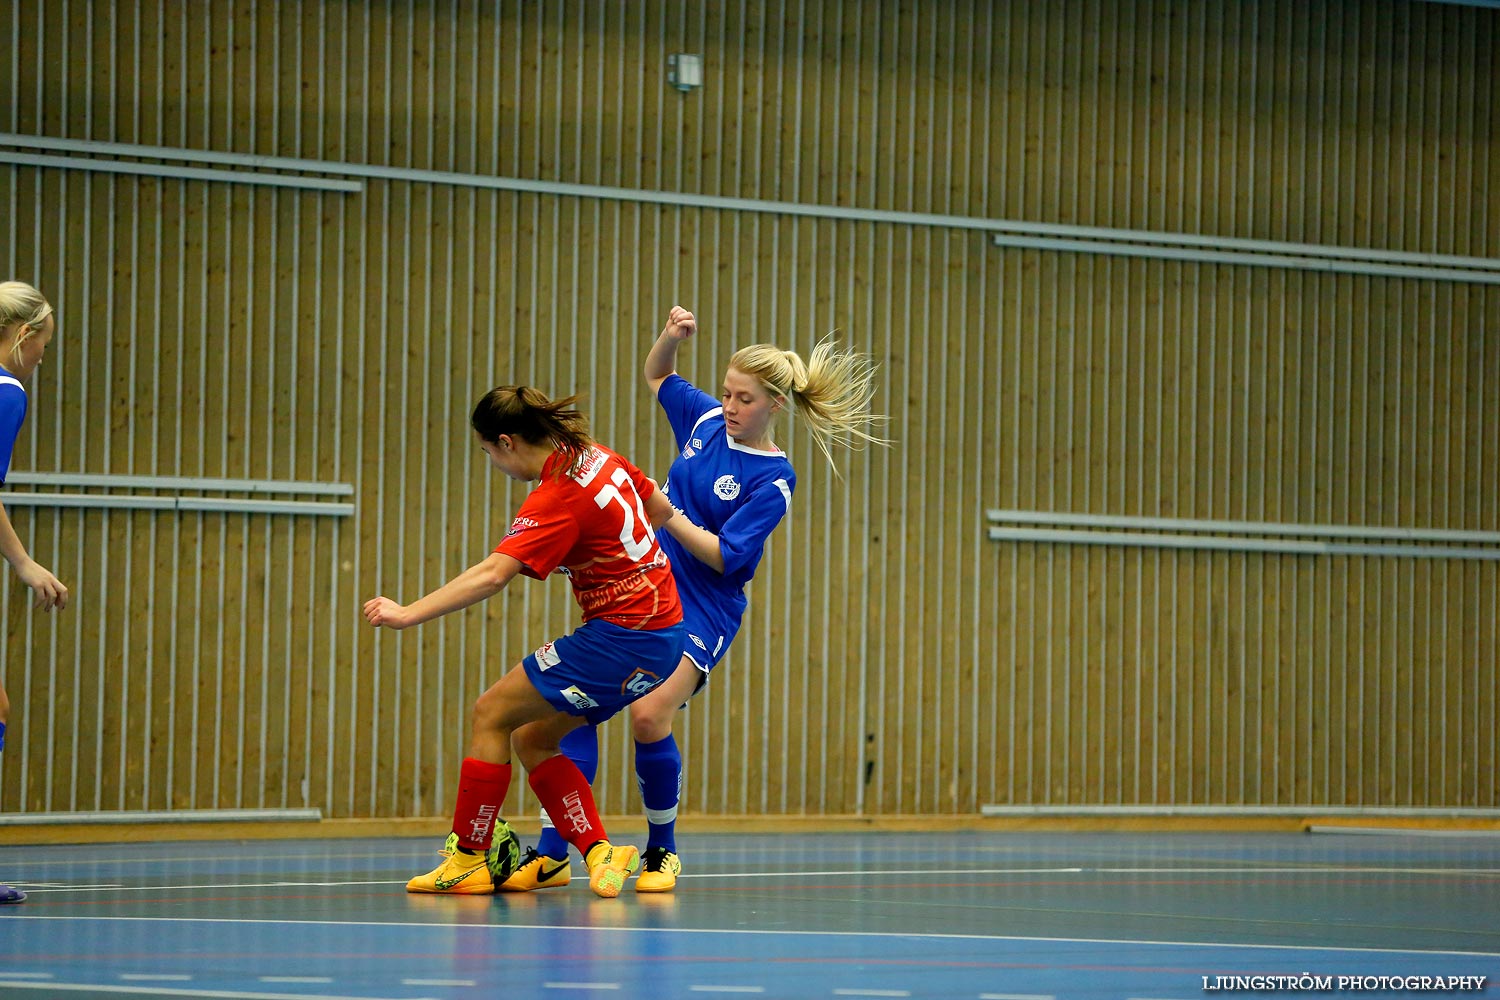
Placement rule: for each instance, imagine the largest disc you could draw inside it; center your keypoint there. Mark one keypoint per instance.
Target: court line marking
(582, 986)
(761, 932)
(26, 975)
(296, 979)
(168, 991)
(218, 885)
(726, 989)
(438, 982)
(1016, 996)
(152, 977)
(871, 993)
(1332, 870)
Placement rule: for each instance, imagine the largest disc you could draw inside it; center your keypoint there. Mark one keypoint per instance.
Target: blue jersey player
(26, 328)
(731, 486)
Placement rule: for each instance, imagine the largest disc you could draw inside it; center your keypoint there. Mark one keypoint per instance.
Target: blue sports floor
(978, 916)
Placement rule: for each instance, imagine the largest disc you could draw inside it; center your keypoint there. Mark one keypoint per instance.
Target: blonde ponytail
(831, 391)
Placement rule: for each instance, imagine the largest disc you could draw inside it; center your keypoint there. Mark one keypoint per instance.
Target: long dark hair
(527, 413)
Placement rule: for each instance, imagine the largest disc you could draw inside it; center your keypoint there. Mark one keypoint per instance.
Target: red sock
(565, 794)
(481, 793)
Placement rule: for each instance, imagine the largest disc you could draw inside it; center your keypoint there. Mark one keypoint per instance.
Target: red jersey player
(590, 518)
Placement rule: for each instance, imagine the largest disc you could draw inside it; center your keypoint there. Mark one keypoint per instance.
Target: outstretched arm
(662, 360)
(482, 580)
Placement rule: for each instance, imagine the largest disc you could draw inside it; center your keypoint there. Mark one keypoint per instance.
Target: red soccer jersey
(593, 527)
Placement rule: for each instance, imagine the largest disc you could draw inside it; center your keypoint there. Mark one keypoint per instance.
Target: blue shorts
(708, 633)
(599, 669)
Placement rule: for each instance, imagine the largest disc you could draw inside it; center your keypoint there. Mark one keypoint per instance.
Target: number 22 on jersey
(635, 548)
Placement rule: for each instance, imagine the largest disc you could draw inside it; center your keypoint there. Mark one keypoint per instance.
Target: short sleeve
(742, 540)
(541, 535)
(685, 404)
(12, 415)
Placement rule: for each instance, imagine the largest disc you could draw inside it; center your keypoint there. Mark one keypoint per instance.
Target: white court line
(763, 932)
(168, 991)
(1325, 870)
(582, 986)
(218, 885)
(150, 977)
(1016, 996)
(296, 979)
(25, 975)
(872, 993)
(726, 989)
(68, 885)
(438, 982)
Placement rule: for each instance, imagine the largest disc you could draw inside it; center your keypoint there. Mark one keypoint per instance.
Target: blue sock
(581, 746)
(658, 769)
(2, 736)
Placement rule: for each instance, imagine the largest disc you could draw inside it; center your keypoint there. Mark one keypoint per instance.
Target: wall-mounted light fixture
(684, 71)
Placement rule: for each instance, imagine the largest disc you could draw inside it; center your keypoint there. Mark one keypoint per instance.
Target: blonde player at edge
(27, 326)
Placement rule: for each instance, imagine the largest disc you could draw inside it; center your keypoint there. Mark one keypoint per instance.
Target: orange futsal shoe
(609, 867)
(537, 871)
(460, 874)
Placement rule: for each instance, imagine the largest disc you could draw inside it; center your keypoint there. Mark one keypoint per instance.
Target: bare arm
(662, 359)
(478, 582)
(702, 543)
(49, 590)
(659, 509)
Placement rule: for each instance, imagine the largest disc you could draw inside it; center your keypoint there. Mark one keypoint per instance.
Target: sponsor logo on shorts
(639, 682)
(698, 642)
(546, 656)
(577, 698)
(726, 488)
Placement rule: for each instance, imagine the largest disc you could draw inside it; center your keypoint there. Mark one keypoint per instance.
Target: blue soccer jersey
(738, 493)
(12, 414)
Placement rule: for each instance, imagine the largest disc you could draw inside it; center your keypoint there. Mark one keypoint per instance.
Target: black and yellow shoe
(460, 874)
(659, 871)
(537, 871)
(609, 866)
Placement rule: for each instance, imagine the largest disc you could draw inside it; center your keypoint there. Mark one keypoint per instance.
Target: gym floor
(993, 915)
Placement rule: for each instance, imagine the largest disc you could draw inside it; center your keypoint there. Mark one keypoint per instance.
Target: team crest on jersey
(578, 698)
(726, 488)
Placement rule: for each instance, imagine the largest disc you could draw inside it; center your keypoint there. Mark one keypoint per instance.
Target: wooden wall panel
(893, 661)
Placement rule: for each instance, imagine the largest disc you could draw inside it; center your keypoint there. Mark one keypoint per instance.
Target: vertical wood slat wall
(893, 661)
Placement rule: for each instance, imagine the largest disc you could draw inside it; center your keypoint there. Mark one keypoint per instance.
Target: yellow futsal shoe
(537, 871)
(659, 871)
(609, 866)
(460, 874)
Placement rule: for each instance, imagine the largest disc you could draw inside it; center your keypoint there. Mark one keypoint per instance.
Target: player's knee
(531, 748)
(649, 723)
(486, 715)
